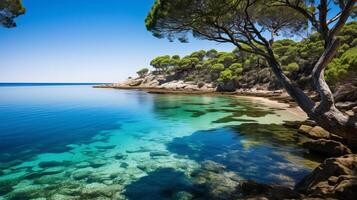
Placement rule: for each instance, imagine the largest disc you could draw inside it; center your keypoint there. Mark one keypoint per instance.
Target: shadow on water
(265, 153)
(161, 184)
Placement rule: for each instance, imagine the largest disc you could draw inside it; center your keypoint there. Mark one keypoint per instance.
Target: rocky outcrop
(327, 147)
(335, 178)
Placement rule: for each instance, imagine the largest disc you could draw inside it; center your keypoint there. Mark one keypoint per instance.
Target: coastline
(277, 96)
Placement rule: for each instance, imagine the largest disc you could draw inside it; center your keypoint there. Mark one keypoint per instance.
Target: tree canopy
(235, 21)
(9, 10)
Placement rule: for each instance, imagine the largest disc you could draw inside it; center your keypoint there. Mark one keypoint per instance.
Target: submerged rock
(47, 164)
(64, 197)
(53, 170)
(97, 163)
(327, 147)
(120, 156)
(26, 192)
(335, 178)
(124, 165)
(212, 166)
(96, 189)
(254, 190)
(182, 195)
(140, 150)
(159, 153)
(83, 165)
(215, 185)
(106, 147)
(81, 174)
(147, 167)
(49, 179)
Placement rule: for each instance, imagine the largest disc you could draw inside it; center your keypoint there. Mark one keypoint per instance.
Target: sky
(84, 41)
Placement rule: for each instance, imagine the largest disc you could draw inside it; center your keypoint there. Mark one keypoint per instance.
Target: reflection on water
(76, 142)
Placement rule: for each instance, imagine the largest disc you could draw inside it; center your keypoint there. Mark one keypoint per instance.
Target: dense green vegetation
(9, 10)
(296, 59)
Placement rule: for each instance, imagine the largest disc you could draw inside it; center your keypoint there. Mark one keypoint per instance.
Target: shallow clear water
(76, 142)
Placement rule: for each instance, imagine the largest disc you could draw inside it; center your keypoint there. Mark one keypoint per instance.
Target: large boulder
(327, 147)
(335, 178)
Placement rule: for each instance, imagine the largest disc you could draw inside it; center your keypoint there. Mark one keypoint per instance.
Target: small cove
(76, 142)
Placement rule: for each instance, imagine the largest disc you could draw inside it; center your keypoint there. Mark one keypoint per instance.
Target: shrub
(293, 66)
(236, 68)
(142, 72)
(217, 67)
(339, 68)
(226, 76)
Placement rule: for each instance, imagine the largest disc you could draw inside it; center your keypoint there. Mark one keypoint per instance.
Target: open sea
(71, 141)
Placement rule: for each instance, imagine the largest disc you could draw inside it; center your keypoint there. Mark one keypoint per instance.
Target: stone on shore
(314, 132)
(335, 178)
(317, 132)
(304, 129)
(309, 122)
(327, 147)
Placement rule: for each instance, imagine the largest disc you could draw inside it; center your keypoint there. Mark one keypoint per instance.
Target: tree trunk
(324, 113)
(337, 123)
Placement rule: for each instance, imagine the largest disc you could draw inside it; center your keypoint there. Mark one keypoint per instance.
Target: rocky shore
(335, 178)
(345, 95)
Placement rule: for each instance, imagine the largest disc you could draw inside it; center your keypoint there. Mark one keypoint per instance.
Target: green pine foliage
(294, 57)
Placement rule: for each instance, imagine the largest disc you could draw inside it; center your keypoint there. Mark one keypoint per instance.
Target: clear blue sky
(84, 41)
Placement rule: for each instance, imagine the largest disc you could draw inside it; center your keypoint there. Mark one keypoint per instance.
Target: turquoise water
(76, 142)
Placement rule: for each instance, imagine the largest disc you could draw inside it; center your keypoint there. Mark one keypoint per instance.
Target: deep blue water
(74, 141)
(45, 84)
